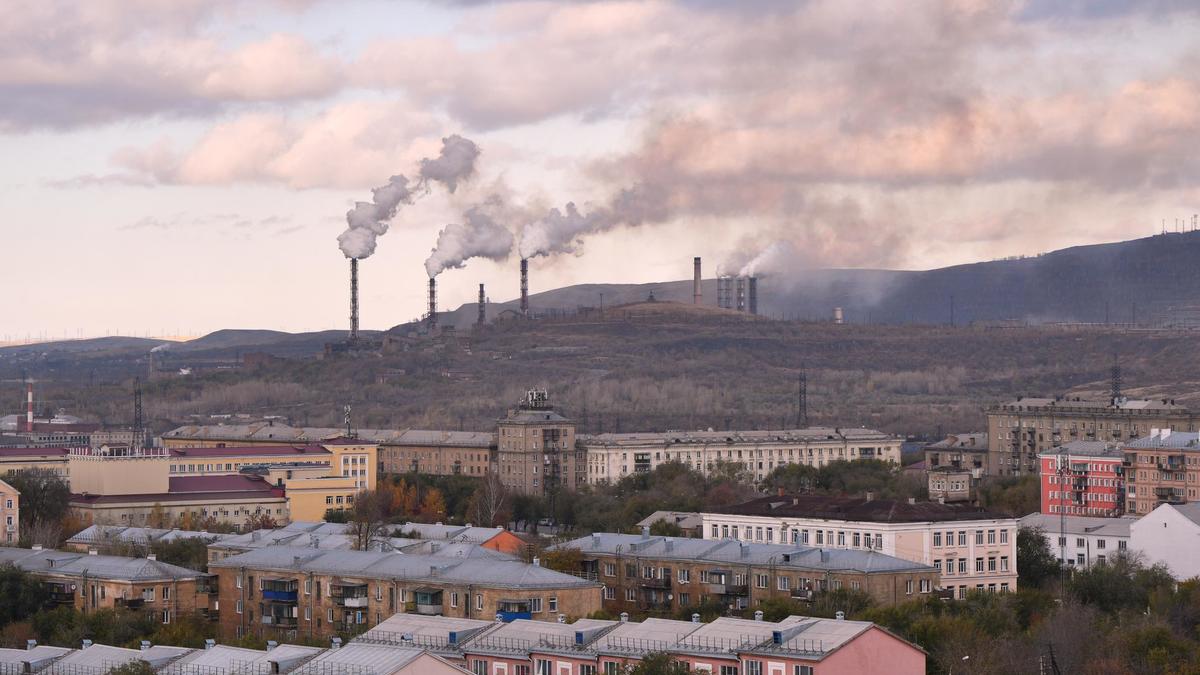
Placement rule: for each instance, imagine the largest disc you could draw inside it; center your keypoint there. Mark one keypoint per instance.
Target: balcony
(280, 590)
(663, 583)
(728, 589)
(350, 594)
(427, 601)
(1168, 494)
(279, 621)
(428, 610)
(804, 594)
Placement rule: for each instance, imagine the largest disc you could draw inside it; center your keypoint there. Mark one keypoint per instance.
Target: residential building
(282, 591)
(89, 582)
(535, 647)
(1020, 430)
(216, 659)
(1083, 478)
(611, 457)
(339, 457)
(1161, 468)
(236, 500)
(948, 485)
(536, 452)
(95, 659)
(10, 513)
(1170, 534)
(1082, 541)
(444, 636)
(688, 522)
(671, 574)
(370, 659)
(959, 451)
(106, 538)
(973, 549)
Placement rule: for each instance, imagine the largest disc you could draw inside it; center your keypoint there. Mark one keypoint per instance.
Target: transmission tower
(802, 399)
(139, 421)
(1115, 382)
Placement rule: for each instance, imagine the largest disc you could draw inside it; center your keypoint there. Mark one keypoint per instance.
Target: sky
(172, 167)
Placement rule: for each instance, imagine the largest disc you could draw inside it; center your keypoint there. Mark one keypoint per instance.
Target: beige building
(16, 460)
(10, 513)
(1019, 430)
(973, 549)
(951, 486)
(611, 457)
(536, 451)
(1161, 468)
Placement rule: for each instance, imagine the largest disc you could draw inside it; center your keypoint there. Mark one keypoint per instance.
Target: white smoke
(774, 260)
(563, 231)
(367, 221)
(478, 236)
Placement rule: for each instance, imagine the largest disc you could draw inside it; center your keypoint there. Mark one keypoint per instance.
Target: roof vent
(37, 547)
(499, 617)
(92, 551)
(839, 615)
(145, 645)
(271, 644)
(30, 644)
(210, 643)
(645, 532)
(562, 618)
(537, 562)
(912, 500)
(695, 618)
(335, 643)
(85, 644)
(624, 617)
(744, 549)
(758, 615)
(595, 540)
(152, 556)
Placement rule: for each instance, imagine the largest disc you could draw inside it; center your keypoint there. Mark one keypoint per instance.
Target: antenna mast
(139, 422)
(802, 399)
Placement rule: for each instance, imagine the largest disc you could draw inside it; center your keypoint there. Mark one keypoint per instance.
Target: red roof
(34, 452)
(228, 483)
(252, 451)
(190, 488)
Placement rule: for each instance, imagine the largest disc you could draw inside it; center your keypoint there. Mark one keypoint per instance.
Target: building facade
(973, 549)
(645, 573)
(611, 457)
(1082, 541)
(1169, 534)
(17, 459)
(10, 514)
(1020, 430)
(1083, 478)
(283, 592)
(536, 452)
(1161, 468)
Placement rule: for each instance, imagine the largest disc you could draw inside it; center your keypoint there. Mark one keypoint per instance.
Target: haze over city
(202, 155)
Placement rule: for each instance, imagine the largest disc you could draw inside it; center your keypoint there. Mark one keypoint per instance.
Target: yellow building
(16, 460)
(10, 513)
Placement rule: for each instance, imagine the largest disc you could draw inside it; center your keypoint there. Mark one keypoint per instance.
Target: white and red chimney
(29, 406)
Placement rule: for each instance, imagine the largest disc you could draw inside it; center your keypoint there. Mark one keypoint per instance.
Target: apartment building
(10, 514)
(284, 592)
(1020, 430)
(106, 538)
(1161, 468)
(1082, 541)
(89, 582)
(611, 457)
(1083, 478)
(668, 574)
(973, 549)
(536, 451)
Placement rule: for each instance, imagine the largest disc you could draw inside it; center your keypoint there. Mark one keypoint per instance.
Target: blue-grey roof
(100, 534)
(1101, 527)
(729, 551)
(68, 563)
(426, 568)
(1169, 440)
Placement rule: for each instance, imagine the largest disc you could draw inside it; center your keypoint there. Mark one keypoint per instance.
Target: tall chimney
(697, 296)
(29, 406)
(524, 287)
(353, 299)
(482, 307)
(432, 304)
(752, 293)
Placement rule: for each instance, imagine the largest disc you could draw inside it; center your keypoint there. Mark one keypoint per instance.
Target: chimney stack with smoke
(353, 299)
(29, 405)
(752, 295)
(482, 307)
(524, 286)
(432, 304)
(697, 296)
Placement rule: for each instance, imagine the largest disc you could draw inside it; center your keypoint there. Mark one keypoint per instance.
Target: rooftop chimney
(432, 304)
(624, 617)
(695, 618)
(838, 317)
(645, 532)
(335, 643)
(524, 287)
(30, 644)
(840, 615)
(271, 644)
(758, 615)
(145, 645)
(210, 643)
(740, 296)
(482, 307)
(85, 644)
(537, 562)
(353, 299)
(697, 295)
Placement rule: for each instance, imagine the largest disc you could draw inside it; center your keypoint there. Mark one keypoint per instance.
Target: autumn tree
(368, 522)
(433, 505)
(44, 501)
(488, 505)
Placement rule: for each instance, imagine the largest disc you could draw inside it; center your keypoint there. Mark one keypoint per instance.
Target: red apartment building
(1083, 478)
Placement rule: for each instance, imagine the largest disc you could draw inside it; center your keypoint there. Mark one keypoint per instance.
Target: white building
(1083, 540)
(611, 457)
(1170, 534)
(973, 549)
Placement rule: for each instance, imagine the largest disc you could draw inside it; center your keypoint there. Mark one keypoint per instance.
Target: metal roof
(807, 435)
(31, 660)
(1167, 439)
(1085, 449)
(635, 639)
(360, 658)
(856, 509)
(276, 432)
(226, 658)
(1067, 404)
(525, 635)
(72, 564)
(1077, 525)
(727, 551)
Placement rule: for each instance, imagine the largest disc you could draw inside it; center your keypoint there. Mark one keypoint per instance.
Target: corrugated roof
(95, 534)
(808, 435)
(263, 431)
(859, 509)
(1101, 527)
(1085, 449)
(361, 657)
(69, 563)
(1167, 439)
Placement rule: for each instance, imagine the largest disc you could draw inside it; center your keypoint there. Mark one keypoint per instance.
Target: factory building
(1020, 430)
(611, 457)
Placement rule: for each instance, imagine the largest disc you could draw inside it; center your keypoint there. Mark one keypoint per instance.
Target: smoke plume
(773, 260)
(563, 231)
(478, 236)
(367, 221)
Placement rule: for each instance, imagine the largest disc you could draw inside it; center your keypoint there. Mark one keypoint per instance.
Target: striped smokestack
(432, 318)
(524, 287)
(29, 406)
(697, 296)
(482, 307)
(353, 299)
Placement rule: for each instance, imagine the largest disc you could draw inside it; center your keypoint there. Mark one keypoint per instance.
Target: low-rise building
(17, 459)
(1082, 541)
(959, 451)
(1161, 468)
(611, 457)
(282, 591)
(1170, 535)
(106, 538)
(948, 485)
(235, 500)
(90, 582)
(10, 513)
(974, 549)
(688, 522)
(671, 574)
(1083, 478)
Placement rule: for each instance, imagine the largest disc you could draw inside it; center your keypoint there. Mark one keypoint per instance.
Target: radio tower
(1115, 383)
(139, 421)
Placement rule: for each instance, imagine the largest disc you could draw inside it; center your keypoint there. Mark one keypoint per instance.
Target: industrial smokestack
(752, 293)
(29, 406)
(524, 286)
(741, 294)
(697, 296)
(482, 307)
(432, 304)
(353, 299)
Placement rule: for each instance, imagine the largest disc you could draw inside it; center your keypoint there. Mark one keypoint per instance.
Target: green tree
(135, 667)
(665, 528)
(44, 500)
(23, 595)
(1036, 564)
(659, 663)
(191, 553)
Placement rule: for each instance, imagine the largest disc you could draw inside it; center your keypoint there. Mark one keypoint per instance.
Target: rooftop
(196, 488)
(1165, 438)
(226, 659)
(808, 435)
(276, 432)
(858, 509)
(687, 520)
(973, 442)
(1068, 403)
(69, 563)
(440, 634)
(1077, 525)
(1086, 449)
(7, 453)
(274, 451)
(99, 534)
(730, 552)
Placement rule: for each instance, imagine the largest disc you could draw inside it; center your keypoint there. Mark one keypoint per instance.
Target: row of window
(798, 536)
(981, 565)
(990, 536)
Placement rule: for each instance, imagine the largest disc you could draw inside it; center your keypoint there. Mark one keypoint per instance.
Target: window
(166, 593)
(760, 581)
(610, 593)
(238, 606)
(610, 570)
(454, 599)
(166, 616)
(1079, 542)
(729, 670)
(308, 586)
(754, 668)
(587, 669)
(908, 587)
(1100, 543)
(783, 583)
(991, 537)
(962, 565)
(802, 670)
(685, 599)
(630, 595)
(148, 594)
(979, 564)
(1003, 563)
(1003, 536)
(542, 667)
(610, 668)
(978, 537)
(238, 581)
(685, 576)
(962, 538)
(479, 602)
(1121, 545)
(552, 603)
(878, 541)
(991, 563)
(937, 538)
(479, 667)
